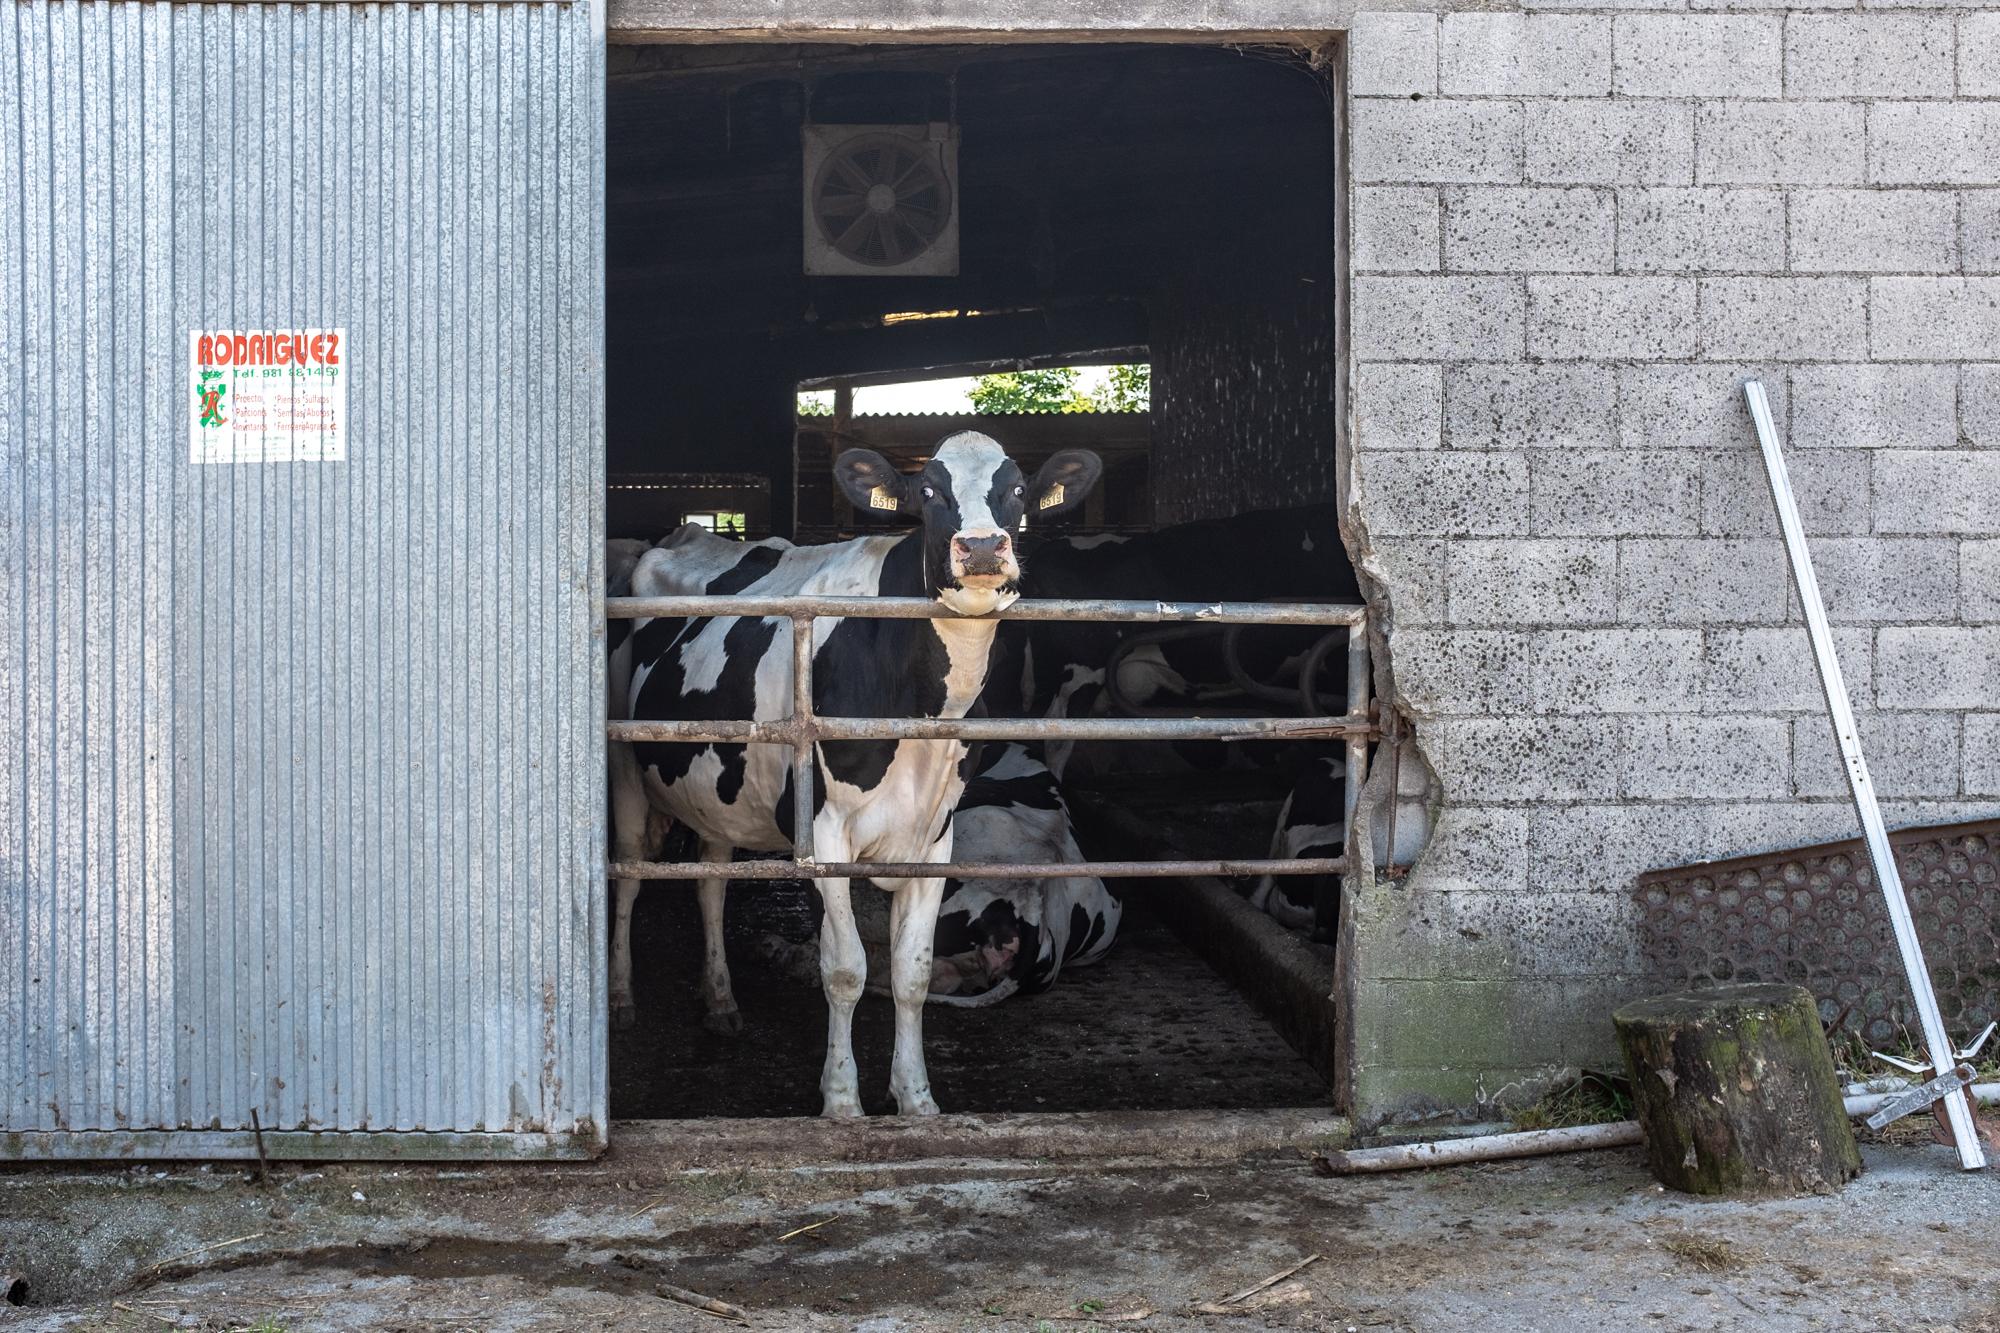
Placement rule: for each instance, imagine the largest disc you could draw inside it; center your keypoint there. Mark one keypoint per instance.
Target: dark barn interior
(1172, 205)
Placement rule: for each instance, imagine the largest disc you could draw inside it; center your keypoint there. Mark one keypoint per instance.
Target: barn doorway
(1165, 207)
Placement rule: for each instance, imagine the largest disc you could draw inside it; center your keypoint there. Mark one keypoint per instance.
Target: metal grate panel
(1813, 916)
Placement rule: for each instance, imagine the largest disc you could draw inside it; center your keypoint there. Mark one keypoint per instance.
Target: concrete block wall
(1575, 230)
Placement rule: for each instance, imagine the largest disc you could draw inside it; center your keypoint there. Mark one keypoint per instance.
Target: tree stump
(1735, 1089)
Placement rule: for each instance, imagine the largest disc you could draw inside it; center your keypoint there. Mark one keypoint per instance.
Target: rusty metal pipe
(789, 731)
(923, 608)
(772, 869)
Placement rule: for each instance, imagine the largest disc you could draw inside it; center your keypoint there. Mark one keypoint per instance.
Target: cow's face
(969, 500)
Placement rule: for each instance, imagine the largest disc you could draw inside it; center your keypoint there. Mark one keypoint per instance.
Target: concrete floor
(1570, 1243)
(1151, 1026)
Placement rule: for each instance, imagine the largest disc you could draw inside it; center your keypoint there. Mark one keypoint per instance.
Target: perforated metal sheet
(1813, 916)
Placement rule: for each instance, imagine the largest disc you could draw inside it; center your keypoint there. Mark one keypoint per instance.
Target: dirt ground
(1150, 1027)
(1582, 1242)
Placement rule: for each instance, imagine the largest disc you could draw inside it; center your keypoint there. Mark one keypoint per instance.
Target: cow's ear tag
(1052, 498)
(879, 498)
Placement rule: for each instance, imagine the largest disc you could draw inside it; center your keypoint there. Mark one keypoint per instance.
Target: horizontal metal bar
(791, 731)
(1323, 865)
(923, 608)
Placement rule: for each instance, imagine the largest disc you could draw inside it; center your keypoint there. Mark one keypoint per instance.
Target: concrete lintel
(1297, 21)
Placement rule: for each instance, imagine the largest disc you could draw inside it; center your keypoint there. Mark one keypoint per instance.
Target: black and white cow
(878, 800)
(701, 563)
(1309, 825)
(1000, 936)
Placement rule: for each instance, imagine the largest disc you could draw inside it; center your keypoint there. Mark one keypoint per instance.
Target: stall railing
(804, 728)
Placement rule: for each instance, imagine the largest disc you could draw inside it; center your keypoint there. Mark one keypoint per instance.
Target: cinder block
(1615, 493)
(1909, 754)
(1670, 229)
(1527, 758)
(1438, 319)
(1532, 582)
(1780, 143)
(1608, 845)
(1979, 55)
(1397, 406)
(1396, 227)
(1938, 666)
(1436, 140)
(1392, 54)
(1772, 670)
(1477, 848)
(1617, 670)
(1692, 407)
(1699, 55)
(1412, 572)
(1934, 143)
(1979, 407)
(1526, 229)
(1610, 143)
(1541, 934)
(1868, 55)
(1979, 231)
(1433, 494)
(1481, 672)
(1979, 580)
(1874, 231)
(1529, 405)
(1949, 491)
(1874, 407)
(1887, 578)
(1701, 580)
(1833, 488)
(1525, 55)
(1678, 758)
(1934, 319)
(1784, 319)
(1571, 318)
(1982, 754)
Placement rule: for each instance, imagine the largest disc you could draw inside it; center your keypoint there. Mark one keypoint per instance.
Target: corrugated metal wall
(301, 764)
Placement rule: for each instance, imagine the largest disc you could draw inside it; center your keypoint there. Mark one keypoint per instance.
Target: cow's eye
(1020, 490)
(929, 494)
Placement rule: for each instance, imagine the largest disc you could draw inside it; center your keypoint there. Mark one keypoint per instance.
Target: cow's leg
(716, 994)
(629, 826)
(913, 913)
(843, 972)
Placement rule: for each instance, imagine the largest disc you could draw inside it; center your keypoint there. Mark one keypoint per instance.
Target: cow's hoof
(924, 1105)
(843, 1108)
(725, 1023)
(624, 1016)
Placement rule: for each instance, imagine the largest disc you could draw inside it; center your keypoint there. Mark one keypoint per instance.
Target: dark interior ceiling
(1095, 182)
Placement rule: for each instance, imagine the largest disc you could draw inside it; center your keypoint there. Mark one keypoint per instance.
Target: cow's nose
(981, 555)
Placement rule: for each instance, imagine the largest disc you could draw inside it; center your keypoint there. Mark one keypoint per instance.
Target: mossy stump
(1735, 1089)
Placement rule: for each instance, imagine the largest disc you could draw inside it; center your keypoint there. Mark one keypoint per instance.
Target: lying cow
(1309, 826)
(881, 800)
(701, 563)
(1000, 936)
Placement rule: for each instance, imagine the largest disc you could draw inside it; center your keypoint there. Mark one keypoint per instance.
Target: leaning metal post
(1936, 1041)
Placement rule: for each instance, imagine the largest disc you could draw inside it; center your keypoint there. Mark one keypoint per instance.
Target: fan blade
(841, 242)
(885, 233)
(851, 173)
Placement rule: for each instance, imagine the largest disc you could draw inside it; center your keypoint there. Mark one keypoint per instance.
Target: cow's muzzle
(987, 556)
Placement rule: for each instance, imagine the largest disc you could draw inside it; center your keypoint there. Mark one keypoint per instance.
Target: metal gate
(301, 773)
(804, 728)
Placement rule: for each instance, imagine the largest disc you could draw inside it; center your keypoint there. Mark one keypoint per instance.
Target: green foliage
(1130, 389)
(1030, 391)
(1593, 1099)
(817, 403)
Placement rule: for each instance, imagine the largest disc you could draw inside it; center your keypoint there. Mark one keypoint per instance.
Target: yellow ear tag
(879, 498)
(1053, 498)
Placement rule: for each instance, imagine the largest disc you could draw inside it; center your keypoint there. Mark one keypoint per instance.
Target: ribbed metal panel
(301, 764)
